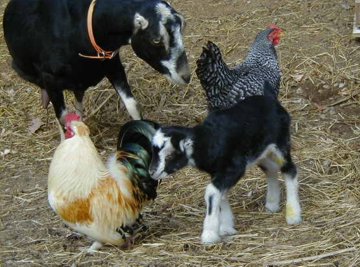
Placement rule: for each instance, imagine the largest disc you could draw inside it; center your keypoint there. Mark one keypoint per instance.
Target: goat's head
(172, 150)
(158, 39)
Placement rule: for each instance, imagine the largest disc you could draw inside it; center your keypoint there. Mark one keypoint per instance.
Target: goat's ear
(182, 21)
(140, 22)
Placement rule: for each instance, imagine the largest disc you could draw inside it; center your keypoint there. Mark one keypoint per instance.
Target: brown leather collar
(101, 53)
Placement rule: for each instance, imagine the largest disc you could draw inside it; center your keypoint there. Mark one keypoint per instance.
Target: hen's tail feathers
(134, 151)
(214, 75)
(209, 62)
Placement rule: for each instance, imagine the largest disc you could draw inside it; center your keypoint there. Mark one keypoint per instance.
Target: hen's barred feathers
(103, 201)
(224, 87)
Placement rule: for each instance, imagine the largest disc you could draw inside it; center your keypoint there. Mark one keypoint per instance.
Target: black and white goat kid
(254, 131)
(45, 39)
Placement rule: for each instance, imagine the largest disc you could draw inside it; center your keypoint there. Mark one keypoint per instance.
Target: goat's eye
(156, 42)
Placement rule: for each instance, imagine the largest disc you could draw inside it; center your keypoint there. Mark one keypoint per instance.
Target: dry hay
(320, 88)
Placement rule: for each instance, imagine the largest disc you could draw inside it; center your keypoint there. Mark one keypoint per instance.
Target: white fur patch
(164, 11)
(161, 141)
(293, 209)
(273, 187)
(131, 105)
(226, 218)
(211, 231)
(273, 195)
(187, 146)
(175, 54)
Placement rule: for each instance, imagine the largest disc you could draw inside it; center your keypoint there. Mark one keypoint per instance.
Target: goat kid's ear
(184, 144)
(140, 22)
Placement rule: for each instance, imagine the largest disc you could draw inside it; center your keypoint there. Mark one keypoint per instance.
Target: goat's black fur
(228, 140)
(45, 38)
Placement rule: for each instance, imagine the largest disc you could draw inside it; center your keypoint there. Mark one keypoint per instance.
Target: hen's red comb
(72, 117)
(274, 26)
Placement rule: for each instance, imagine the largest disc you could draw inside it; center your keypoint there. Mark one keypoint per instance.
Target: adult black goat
(46, 37)
(254, 131)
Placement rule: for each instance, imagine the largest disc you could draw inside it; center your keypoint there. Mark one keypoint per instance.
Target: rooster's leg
(94, 247)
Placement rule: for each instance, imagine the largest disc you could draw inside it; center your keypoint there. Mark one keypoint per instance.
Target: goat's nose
(186, 78)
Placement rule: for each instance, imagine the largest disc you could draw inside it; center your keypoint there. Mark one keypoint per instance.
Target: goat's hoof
(227, 230)
(272, 207)
(210, 237)
(293, 219)
(293, 214)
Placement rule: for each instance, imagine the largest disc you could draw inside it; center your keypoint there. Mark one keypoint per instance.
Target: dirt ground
(320, 88)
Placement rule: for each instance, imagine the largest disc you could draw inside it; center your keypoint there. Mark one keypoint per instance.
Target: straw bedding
(320, 89)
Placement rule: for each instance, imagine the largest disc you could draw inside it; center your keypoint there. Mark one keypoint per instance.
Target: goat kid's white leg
(210, 234)
(273, 189)
(226, 218)
(271, 169)
(131, 105)
(293, 209)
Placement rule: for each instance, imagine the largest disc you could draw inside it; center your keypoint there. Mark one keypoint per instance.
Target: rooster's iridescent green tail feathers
(134, 151)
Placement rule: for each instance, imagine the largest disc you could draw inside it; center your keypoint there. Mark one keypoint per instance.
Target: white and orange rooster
(102, 201)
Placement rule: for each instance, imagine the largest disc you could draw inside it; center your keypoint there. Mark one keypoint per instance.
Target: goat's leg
(57, 99)
(271, 169)
(226, 217)
(117, 77)
(79, 96)
(293, 209)
(211, 229)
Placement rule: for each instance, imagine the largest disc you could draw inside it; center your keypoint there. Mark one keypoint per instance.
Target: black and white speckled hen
(225, 87)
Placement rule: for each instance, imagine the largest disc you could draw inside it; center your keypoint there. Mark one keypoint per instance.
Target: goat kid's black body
(45, 37)
(229, 139)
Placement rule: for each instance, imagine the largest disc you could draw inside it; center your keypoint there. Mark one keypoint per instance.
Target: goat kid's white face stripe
(159, 139)
(163, 142)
